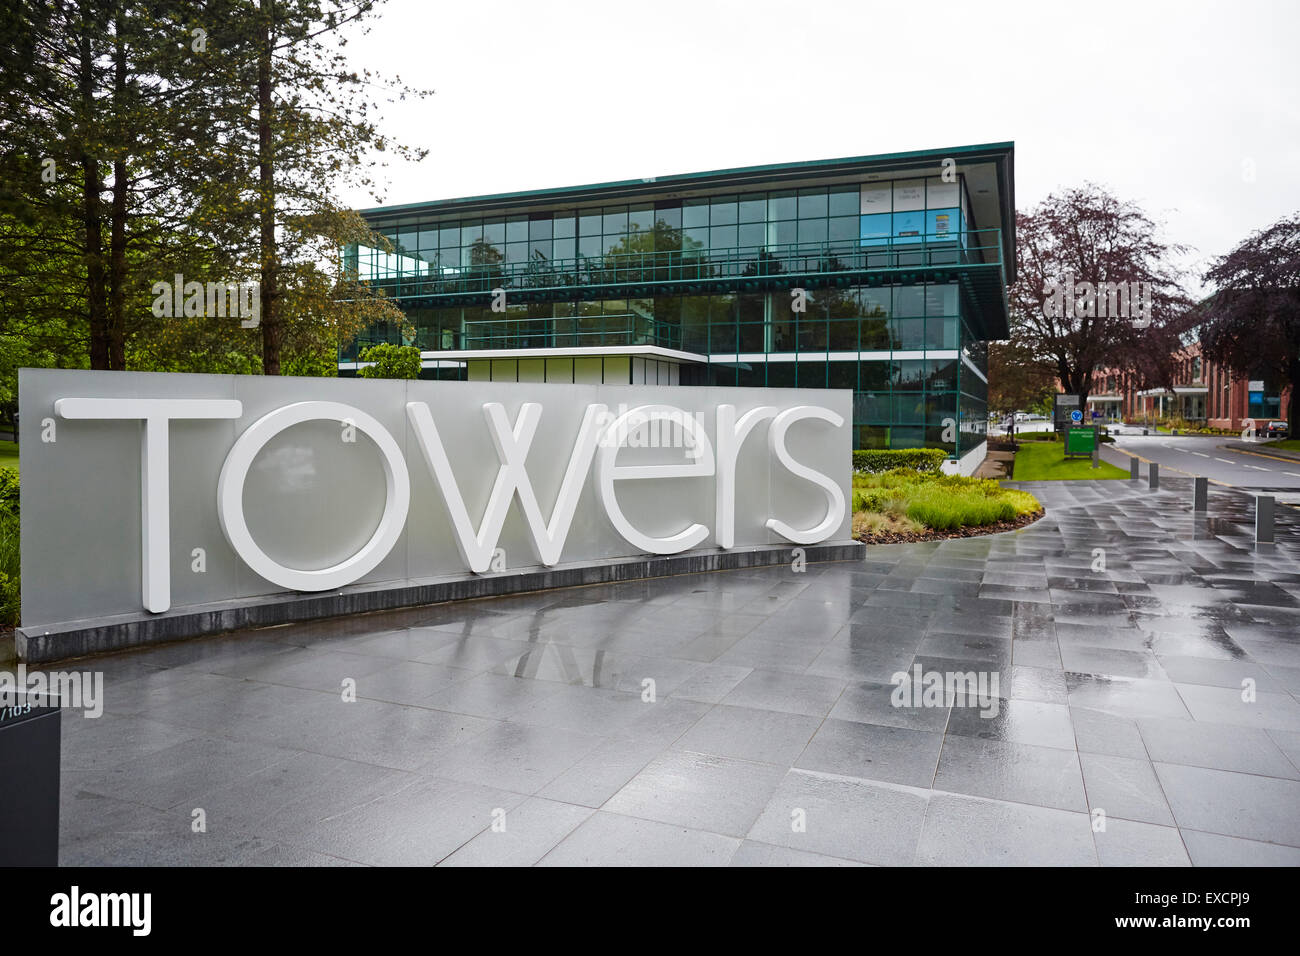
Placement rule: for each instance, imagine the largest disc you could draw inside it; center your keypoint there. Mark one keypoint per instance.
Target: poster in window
(876, 198)
(909, 195)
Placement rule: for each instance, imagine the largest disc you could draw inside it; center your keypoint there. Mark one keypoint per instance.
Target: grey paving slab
(747, 733)
(809, 694)
(1216, 746)
(1224, 705)
(1044, 684)
(419, 825)
(1096, 731)
(1111, 661)
(1124, 788)
(873, 752)
(1215, 849)
(1041, 654)
(852, 659)
(1016, 721)
(849, 819)
(1126, 843)
(710, 683)
(182, 773)
(522, 836)
(1216, 673)
(288, 798)
(751, 853)
(405, 738)
(789, 656)
(1233, 804)
(1020, 773)
(603, 772)
(993, 650)
(1125, 696)
(494, 696)
(514, 756)
(884, 704)
(1289, 743)
(609, 839)
(109, 743)
(964, 831)
(699, 791)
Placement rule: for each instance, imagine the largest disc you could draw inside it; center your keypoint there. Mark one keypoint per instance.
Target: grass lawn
(1291, 444)
(9, 455)
(1044, 461)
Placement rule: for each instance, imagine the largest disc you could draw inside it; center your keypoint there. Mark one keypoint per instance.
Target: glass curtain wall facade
(888, 288)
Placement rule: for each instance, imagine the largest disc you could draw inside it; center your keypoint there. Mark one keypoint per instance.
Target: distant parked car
(1277, 430)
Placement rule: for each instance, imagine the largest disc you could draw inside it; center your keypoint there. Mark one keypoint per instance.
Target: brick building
(1204, 393)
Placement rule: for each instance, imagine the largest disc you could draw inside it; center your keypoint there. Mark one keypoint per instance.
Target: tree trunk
(91, 187)
(1293, 406)
(117, 234)
(270, 320)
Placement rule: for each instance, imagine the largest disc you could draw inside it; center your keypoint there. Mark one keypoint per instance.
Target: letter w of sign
(512, 444)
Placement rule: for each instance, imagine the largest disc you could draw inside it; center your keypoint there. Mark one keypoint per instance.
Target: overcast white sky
(1168, 104)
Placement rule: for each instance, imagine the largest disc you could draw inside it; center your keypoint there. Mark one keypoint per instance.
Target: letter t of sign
(155, 498)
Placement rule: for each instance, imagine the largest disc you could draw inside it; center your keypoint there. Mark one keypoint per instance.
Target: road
(1202, 455)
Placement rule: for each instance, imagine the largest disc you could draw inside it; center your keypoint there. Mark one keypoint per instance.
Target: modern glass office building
(882, 274)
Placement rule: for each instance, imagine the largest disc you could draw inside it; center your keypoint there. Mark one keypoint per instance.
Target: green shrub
(312, 364)
(937, 501)
(390, 361)
(9, 490)
(872, 500)
(9, 601)
(10, 567)
(943, 510)
(876, 460)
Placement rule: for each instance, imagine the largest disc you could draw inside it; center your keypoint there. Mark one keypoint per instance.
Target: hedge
(875, 460)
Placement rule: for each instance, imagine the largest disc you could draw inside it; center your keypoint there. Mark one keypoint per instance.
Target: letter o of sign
(230, 497)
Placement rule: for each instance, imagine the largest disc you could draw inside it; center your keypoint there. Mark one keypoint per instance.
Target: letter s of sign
(834, 496)
(155, 495)
(230, 497)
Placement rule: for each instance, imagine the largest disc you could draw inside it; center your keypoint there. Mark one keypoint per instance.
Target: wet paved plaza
(746, 717)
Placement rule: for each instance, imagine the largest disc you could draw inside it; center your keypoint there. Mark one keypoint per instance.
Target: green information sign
(1080, 440)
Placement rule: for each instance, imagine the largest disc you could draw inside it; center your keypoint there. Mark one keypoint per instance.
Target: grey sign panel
(315, 493)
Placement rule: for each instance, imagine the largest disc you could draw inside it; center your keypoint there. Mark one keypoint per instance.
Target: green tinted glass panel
(753, 208)
(781, 205)
(812, 203)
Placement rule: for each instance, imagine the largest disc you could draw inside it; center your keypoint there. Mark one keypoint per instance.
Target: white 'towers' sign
(315, 484)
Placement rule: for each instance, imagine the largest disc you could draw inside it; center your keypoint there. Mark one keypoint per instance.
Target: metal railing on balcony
(570, 332)
(684, 268)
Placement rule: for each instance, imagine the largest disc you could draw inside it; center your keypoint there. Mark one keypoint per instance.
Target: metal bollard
(1201, 496)
(1153, 476)
(1264, 519)
(1133, 469)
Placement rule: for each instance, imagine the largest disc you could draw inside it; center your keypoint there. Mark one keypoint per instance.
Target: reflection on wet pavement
(1114, 684)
